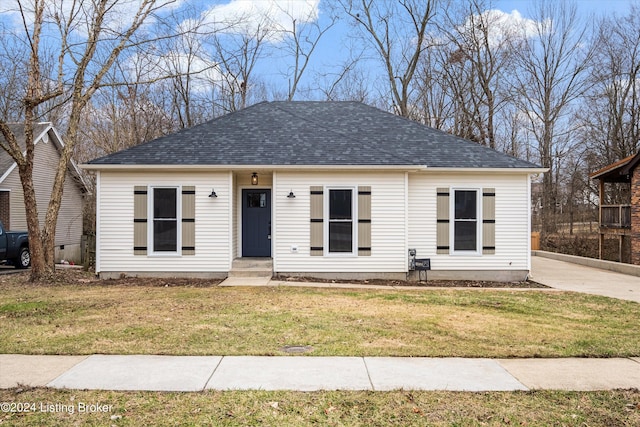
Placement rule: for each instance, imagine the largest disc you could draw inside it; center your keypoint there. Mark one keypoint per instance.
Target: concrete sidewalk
(305, 373)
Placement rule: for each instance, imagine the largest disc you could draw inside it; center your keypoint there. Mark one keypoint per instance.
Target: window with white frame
(340, 228)
(465, 221)
(164, 233)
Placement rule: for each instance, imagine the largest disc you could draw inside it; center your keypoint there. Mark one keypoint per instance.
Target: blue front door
(256, 223)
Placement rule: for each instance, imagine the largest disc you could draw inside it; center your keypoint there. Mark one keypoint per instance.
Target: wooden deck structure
(621, 220)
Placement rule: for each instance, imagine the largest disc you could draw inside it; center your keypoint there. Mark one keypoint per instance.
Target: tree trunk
(40, 269)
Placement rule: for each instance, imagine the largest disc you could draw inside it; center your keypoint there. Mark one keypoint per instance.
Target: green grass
(331, 408)
(139, 317)
(80, 316)
(14, 309)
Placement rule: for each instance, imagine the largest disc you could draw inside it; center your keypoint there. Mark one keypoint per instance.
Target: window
(465, 217)
(257, 199)
(340, 221)
(340, 227)
(165, 220)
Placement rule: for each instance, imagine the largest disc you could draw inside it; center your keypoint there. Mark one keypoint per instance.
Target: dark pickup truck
(14, 247)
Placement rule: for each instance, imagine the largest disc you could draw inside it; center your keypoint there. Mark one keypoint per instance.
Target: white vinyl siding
(403, 215)
(388, 222)
(511, 219)
(234, 220)
(115, 222)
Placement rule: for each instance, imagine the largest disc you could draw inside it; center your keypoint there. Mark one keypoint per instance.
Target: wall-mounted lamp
(213, 193)
(291, 195)
(254, 179)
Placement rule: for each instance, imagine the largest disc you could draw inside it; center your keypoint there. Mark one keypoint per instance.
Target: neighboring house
(323, 189)
(48, 146)
(623, 220)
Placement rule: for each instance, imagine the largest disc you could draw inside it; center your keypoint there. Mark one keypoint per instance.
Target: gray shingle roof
(313, 133)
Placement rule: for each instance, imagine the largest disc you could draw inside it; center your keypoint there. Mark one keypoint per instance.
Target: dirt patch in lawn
(428, 283)
(85, 278)
(64, 277)
(161, 282)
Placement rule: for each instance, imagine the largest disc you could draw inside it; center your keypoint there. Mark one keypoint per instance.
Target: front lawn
(81, 316)
(330, 408)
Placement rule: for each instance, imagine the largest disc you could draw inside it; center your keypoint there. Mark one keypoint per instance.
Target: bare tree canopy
(66, 69)
(549, 85)
(551, 77)
(397, 31)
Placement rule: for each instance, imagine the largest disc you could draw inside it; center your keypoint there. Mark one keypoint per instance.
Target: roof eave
(149, 168)
(616, 169)
(403, 168)
(508, 170)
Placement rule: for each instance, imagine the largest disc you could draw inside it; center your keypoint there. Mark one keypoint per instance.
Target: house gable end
(45, 132)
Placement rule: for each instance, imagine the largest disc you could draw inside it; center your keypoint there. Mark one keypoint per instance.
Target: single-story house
(322, 189)
(47, 149)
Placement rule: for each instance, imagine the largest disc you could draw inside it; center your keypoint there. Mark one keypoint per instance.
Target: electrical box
(412, 259)
(422, 264)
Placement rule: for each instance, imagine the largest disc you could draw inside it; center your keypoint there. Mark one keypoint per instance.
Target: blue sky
(598, 7)
(334, 48)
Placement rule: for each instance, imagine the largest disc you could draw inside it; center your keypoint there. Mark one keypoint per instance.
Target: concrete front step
(251, 267)
(250, 272)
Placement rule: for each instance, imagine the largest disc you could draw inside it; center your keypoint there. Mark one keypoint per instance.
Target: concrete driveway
(578, 278)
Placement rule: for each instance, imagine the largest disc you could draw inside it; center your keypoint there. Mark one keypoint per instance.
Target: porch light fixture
(291, 195)
(213, 193)
(254, 179)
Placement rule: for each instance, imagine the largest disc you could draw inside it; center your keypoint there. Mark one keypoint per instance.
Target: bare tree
(611, 113)
(348, 82)
(180, 64)
(513, 133)
(397, 31)
(551, 77)
(182, 67)
(300, 42)
(122, 116)
(89, 41)
(435, 101)
(13, 68)
(237, 56)
(481, 52)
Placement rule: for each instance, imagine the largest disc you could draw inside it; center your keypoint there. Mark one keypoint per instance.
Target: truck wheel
(24, 258)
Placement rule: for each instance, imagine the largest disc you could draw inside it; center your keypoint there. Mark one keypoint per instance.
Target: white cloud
(508, 23)
(120, 15)
(204, 73)
(274, 18)
(501, 26)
